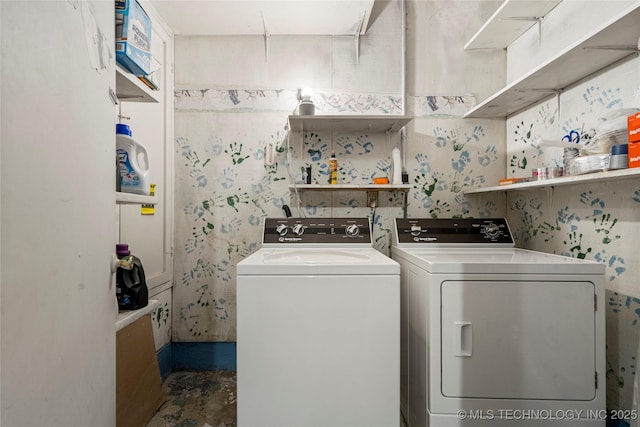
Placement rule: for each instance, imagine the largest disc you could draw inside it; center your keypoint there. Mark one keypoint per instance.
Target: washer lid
(286, 261)
(495, 261)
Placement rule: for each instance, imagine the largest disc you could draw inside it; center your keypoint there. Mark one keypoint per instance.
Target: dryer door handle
(463, 339)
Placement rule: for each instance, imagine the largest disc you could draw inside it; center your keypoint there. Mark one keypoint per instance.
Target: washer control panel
(452, 231)
(317, 230)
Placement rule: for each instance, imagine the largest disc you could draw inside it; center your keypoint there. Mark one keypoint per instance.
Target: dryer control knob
(352, 230)
(416, 230)
(298, 229)
(281, 229)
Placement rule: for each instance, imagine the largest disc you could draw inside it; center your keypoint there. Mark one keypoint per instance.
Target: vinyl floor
(198, 399)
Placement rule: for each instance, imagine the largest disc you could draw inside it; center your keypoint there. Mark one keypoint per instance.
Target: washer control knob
(491, 230)
(416, 230)
(298, 229)
(352, 230)
(281, 229)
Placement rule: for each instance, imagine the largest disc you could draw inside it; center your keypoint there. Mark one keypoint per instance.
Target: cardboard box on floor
(139, 391)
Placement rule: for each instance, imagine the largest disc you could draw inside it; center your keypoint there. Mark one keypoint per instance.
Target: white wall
(231, 101)
(58, 305)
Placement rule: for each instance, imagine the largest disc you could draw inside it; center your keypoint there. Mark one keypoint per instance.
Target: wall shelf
(357, 187)
(620, 174)
(127, 317)
(348, 123)
(352, 187)
(130, 88)
(135, 199)
(615, 40)
(509, 22)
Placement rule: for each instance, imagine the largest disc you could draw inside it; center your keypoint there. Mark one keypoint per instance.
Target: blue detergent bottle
(134, 178)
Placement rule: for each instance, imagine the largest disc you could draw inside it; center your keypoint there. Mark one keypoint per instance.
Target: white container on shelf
(134, 177)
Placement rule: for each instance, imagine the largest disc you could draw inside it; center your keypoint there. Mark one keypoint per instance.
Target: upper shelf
(354, 123)
(614, 40)
(130, 88)
(266, 17)
(509, 22)
(620, 174)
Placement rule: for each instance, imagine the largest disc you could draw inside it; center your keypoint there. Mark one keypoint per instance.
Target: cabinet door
(58, 225)
(518, 340)
(150, 236)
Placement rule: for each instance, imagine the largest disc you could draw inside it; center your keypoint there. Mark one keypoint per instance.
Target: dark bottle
(131, 288)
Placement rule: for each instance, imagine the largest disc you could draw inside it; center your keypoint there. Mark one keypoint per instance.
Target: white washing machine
(318, 328)
(492, 335)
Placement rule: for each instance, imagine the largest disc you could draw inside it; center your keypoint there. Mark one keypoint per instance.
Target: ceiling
(265, 17)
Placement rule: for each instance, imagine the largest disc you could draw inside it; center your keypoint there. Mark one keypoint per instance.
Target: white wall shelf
(135, 199)
(127, 317)
(348, 123)
(613, 41)
(614, 175)
(130, 88)
(509, 22)
(357, 187)
(352, 187)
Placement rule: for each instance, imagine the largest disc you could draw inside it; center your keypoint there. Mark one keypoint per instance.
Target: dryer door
(518, 340)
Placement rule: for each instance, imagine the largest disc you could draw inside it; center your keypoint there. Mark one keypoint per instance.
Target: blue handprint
(490, 155)
(229, 178)
(423, 164)
(459, 164)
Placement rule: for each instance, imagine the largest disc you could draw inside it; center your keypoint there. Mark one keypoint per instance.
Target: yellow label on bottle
(333, 170)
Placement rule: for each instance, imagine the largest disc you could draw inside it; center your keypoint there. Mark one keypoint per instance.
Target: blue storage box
(133, 37)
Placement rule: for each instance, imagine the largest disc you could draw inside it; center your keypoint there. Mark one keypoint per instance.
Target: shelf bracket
(266, 36)
(549, 192)
(557, 92)
(536, 19)
(356, 37)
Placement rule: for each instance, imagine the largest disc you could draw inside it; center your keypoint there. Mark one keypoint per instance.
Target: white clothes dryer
(492, 335)
(318, 328)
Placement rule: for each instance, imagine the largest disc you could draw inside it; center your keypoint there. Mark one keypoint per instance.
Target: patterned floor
(198, 399)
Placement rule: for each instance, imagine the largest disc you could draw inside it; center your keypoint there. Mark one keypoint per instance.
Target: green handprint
(233, 200)
(424, 185)
(524, 134)
(235, 151)
(518, 163)
(575, 242)
(603, 226)
(439, 208)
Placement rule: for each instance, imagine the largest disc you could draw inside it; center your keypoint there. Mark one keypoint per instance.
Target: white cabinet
(130, 88)
(150, 116)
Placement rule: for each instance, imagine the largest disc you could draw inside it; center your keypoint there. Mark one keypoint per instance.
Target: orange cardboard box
(634, 155)
(633, 122)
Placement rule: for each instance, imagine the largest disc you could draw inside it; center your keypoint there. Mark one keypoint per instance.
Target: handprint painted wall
(224, 189)
(597, 221)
